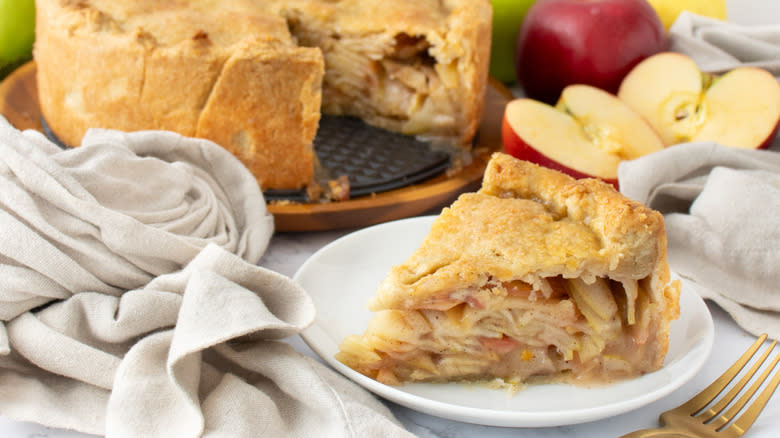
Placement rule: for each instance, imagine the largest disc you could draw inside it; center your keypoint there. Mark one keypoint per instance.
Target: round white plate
(343, 276)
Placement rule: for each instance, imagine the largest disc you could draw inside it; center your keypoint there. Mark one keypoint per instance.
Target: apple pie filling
(567, 330)
(401, 82)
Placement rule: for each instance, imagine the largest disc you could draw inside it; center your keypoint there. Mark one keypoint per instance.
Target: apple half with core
(587, 134)
(591, 42)
(740, 108)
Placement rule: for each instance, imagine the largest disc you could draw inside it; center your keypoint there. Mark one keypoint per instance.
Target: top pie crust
(531, 222)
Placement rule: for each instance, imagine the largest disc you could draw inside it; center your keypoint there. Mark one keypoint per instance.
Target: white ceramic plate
(342, 277)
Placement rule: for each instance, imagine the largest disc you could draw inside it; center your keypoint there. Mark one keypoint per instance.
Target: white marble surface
(289, 250)
(287, 253)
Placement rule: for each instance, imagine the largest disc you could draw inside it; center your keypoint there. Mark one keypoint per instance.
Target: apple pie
(537, 277)
(255, 75)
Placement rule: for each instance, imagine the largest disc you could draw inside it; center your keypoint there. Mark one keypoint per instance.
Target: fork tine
(743, 400)
(746, 420)
(715, 410)
(706, 396)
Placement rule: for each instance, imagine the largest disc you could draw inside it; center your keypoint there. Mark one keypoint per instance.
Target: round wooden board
(19, 104)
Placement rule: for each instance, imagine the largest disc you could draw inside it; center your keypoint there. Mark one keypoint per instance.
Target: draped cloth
(719, 46)
(131, 302)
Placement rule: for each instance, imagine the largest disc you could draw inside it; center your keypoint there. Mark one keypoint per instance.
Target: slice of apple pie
(536, 277)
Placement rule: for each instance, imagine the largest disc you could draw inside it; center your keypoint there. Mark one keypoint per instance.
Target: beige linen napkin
(719, 46)
(721, 207)
(131, 304)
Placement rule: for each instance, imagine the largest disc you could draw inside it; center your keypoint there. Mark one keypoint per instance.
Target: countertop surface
(288, 251)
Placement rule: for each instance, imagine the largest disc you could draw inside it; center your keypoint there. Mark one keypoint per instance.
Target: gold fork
(703, 417)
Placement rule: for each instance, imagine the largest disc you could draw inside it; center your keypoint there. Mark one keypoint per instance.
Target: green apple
(17, 30)
(507, 18)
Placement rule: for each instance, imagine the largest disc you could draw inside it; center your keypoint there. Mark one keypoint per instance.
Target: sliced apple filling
(402, 82)
(573, 330)
(399, 88)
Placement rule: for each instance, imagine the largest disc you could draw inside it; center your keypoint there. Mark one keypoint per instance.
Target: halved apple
(587, 134)
(740, 108)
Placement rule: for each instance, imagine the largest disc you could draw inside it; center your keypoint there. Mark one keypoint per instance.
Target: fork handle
(660, 432)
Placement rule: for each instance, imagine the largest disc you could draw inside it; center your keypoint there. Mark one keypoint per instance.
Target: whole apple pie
(535, 277)
(255, 75)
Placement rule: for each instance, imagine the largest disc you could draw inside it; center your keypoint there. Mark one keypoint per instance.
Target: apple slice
(740, 108)
(587, 134)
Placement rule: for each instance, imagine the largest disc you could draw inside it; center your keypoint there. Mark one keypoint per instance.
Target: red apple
(740, 108)
(593, 42)
(587, 134)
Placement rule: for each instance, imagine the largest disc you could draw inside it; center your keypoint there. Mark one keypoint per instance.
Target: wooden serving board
(19, 104)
